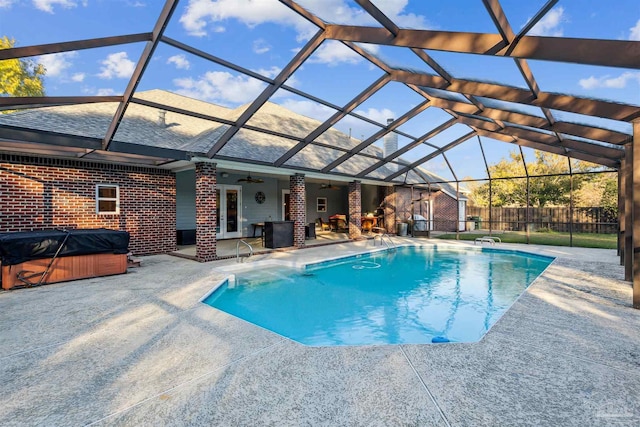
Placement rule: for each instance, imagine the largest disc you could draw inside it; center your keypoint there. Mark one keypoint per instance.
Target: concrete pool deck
(141, 349)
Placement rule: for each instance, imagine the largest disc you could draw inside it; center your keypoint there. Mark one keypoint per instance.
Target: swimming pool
(411, 295)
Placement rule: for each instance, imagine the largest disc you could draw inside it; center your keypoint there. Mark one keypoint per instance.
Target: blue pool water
(409, 295)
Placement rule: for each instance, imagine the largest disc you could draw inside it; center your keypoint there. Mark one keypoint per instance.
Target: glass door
(286, 205)
(229, 211)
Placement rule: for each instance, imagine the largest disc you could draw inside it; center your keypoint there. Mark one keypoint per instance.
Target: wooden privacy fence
(585, 219)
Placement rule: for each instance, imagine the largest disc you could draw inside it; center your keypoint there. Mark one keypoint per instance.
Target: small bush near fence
(585, 219)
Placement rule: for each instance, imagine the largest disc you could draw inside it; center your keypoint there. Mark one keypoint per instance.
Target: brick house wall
(445, 212)
(44, 193)
(397, 206)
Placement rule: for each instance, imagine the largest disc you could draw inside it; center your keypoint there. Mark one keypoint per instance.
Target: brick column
(298, 207)
(390, 209)
(355, 210)
(206, 218)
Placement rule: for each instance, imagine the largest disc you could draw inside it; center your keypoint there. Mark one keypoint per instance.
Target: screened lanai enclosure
(472, 97)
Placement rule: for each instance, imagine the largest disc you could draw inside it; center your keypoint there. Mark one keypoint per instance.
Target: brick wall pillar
(355, 210)
(298, 208)
(390, 209)
(206, 218)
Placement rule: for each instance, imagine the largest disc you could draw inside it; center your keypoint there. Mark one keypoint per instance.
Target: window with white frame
(107, 199)
(321, 204)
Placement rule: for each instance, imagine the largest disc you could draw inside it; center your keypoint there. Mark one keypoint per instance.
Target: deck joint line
(431, 396)
(184, 383)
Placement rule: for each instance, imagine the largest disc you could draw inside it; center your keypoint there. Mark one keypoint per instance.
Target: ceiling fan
(250, 180)
(329, 187)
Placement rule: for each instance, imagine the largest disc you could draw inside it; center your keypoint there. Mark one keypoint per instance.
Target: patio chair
(324, 226)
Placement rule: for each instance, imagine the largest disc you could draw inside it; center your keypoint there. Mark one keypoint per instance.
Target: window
(322, 204)
(107, 199)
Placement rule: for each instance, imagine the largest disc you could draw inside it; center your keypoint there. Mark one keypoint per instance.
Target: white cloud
(609, 82)
(308, 109)
(634, 32)
(332, 52)
(550, 24)
(180, 61)
(78, 77)
(47, 5)
(199, 13)
(117, 65)
(260, 46)
(204, 16)
(105, 92)
(394, 10)
(273, 72)
(220, 87)
(437, 166)
(6, 3)
(379, 116)
(269, 72)
(56, 63)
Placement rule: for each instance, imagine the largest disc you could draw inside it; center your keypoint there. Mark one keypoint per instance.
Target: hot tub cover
(23, 246)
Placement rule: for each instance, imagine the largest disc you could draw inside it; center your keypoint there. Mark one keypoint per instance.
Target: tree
(20, 77)
(547, 185)
(600, 190)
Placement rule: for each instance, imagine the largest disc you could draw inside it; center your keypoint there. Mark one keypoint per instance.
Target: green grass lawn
(585, 240)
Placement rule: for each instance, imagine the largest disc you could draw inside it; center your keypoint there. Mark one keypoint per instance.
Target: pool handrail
(238, 258)
(385, 241)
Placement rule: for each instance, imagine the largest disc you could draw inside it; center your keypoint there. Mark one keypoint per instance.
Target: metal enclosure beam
(635, 215)
(581, 130)
(499, 19)
(364, 144)
(379, 16)
(335, 118)
(536, 18)
(20, 102)
(610, 53)
(141, 65)
(628, 213)
(286, 72)
(408, 147)
(621, 216)
(573, 104)
(431, 156)
(45, 49)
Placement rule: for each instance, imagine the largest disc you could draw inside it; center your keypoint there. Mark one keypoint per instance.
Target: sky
(265, 36)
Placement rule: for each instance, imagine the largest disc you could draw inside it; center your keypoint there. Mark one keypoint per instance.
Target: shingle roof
(141, 125)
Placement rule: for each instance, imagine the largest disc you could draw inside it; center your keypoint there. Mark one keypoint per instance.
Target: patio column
(390, 209)
(621, 225)
(355, 210)
(206, 217)
(635, 172)
(298, 208)
(628, 214)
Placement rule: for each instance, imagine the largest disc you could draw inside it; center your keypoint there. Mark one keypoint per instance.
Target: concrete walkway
(141, 350)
